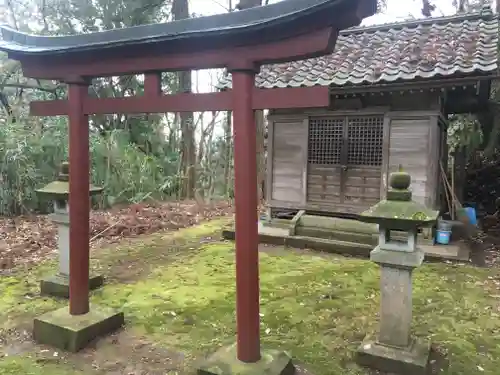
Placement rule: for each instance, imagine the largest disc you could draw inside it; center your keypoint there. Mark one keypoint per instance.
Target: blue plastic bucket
(471, 214)
(443, 237)
(444, 225)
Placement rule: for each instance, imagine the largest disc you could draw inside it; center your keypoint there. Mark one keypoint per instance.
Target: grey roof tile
(445, 46)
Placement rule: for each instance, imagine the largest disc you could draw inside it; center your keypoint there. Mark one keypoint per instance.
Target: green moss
(318, 308)
(20, 298)
(404, 210)
(399, 180)
(60, 190)
(34, 366)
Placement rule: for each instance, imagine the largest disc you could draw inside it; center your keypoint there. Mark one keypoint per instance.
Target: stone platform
(413, 360)
(345, 236)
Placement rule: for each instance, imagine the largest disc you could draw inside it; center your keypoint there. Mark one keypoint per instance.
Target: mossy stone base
(225, 362)
(412, 360)
(73, 332)
(58, 285)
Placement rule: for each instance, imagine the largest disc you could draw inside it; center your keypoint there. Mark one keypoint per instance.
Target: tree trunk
(228, 144)
(180, 10)
(228, 147)
(261, 156)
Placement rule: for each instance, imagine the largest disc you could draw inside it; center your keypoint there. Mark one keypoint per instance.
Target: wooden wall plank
(409, 140)
(433, 155)
(288, 154)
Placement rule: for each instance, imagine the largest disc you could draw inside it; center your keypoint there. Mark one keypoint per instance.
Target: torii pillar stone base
(72, 333)
(225, 362)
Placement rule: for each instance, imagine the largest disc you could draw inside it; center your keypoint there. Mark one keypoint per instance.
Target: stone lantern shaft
(395, 306)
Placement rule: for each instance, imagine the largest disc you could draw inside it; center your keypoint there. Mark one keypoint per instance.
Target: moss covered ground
(178, 295)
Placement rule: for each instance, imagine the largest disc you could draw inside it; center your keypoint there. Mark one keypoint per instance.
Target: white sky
(397, 10)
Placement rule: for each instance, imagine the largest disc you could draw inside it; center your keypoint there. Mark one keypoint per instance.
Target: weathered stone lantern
(58, 191)
(395, 350)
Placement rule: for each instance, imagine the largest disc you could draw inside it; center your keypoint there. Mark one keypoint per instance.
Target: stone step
(328, 245)
(333, 223)
(278, 223)
(364, 238)
(347, 230)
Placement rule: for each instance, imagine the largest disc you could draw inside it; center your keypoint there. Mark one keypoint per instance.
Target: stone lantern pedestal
(58, 285)
(394, 349)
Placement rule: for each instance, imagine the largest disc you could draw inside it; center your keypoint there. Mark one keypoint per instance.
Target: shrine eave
(266, 24)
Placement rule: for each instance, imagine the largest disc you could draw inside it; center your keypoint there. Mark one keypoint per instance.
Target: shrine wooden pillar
(246, 204)
(79, 201)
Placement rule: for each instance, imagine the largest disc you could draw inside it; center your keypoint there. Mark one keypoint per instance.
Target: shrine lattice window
(325, 140)
(352, 140)
(365, 134)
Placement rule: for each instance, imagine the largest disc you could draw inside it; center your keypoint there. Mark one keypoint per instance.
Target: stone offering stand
(395, 350)
(58, 285)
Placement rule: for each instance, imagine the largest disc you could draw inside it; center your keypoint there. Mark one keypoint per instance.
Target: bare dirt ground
(27, 240)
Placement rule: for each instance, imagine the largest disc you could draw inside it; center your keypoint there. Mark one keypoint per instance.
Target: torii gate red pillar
(78, 199)
(246, 202)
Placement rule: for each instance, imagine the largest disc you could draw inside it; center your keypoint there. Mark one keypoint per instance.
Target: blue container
(443, 237)
(471, 214)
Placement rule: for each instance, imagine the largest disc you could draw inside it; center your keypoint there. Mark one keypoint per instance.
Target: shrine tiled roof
(421, 49)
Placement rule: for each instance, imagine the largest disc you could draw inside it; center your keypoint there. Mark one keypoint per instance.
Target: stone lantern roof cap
(398, 211)
(59, 189)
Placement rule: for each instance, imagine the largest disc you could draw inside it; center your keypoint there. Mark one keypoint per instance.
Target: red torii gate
(241, 42)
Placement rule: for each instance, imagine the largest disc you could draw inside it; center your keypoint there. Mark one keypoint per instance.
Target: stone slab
(413, 360)
(58, 285)
(456, 251)
(74, 332)
(400, 259)
(225, 362)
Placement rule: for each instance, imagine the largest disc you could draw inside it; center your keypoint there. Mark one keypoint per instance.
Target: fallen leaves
(26, 240)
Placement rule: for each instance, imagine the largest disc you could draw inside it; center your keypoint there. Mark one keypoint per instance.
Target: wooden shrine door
(345, 162)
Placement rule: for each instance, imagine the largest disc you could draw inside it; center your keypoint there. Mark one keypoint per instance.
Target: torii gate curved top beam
(255, 34)
(240, 41)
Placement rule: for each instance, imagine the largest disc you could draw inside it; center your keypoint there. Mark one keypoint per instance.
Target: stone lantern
(395, 350)
(58, 191)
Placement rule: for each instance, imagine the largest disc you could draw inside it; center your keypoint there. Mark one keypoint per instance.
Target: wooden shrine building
(391, 88)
